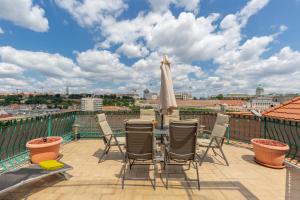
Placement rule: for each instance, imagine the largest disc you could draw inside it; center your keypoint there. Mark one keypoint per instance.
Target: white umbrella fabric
(167, 101)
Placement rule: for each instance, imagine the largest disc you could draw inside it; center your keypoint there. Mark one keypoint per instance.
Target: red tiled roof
(289, 110)
(115, 108)
(246, 113)
(203, 102)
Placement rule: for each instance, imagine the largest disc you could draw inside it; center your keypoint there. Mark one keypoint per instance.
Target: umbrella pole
(162, 122)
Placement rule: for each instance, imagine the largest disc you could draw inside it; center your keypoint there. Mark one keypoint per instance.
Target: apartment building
(91, 104)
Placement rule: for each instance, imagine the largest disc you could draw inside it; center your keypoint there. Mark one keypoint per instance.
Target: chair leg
(103, 153)
(221, 150)
(224, 157)
(124, 171)
(198, 176)
(116, 140)
(204, 155)
(167, 174)
(202, 159)
(108, 150)
(154, 175)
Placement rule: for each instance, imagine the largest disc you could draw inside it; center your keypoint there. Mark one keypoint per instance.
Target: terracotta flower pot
(41, 150)
(270, 153)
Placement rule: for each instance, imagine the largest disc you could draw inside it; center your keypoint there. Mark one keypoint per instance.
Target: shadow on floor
(113, 154)
(249, 159)
(211, 158)
(26, 190)
(190, 187)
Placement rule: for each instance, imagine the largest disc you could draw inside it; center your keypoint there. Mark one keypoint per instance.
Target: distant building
(133, 95)
(259, 90)
(232, 105)
(237, 97)
(183, 96)
(283, 98)
(261, 103)
(91, 104)
(150, 95)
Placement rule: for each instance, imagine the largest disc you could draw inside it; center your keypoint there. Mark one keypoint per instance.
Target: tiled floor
(243, 179)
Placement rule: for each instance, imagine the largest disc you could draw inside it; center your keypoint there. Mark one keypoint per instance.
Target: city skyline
(116, 46)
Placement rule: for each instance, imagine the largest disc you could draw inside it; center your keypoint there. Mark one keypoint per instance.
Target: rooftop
(181, 103)
(243, 179)
(115, 108)
(289, 110)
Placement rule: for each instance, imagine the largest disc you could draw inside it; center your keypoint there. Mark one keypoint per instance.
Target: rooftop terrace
(242, 179)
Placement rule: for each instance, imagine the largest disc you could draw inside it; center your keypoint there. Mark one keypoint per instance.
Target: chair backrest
(220, 126)
(139, 139)
(174, 116)
(147, 114)
(183, 139)
(104, 126)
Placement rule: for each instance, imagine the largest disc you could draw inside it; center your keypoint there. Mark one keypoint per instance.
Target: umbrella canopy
(167, 97)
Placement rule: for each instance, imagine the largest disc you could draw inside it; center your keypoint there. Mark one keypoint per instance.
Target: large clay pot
(270, 153)
(41, 149)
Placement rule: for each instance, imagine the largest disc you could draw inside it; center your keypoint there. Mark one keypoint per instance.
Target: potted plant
(270, 153)
(46, 148)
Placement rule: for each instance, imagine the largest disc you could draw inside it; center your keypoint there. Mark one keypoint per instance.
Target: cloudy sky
(215, 46)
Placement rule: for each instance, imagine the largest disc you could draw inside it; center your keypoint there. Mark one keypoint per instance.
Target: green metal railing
(88, 127)
(15, 133)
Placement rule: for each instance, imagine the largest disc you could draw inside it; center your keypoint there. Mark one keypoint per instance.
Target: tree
(75, 96)
(220, 96)
(11, 99)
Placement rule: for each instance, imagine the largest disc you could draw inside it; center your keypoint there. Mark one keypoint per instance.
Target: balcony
(243, 179)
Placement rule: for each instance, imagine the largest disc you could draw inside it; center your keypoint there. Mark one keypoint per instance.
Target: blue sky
(215, 46)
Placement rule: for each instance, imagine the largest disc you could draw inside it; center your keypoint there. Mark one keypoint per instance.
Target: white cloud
(8, 69)
(92, 12)
(283, 28)
(188, 37)
(162, 6)
(12, 82)
(23, 13)
(44, 63)
(252, 7)
(133, 50)
(1, 31)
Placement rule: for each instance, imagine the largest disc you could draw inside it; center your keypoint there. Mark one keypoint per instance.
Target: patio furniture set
(179, 144)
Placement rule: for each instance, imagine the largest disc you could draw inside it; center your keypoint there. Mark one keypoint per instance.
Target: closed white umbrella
(167, 99)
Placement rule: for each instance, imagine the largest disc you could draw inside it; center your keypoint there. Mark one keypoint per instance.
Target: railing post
(228, 134)
(49, 125)
(265, 127)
